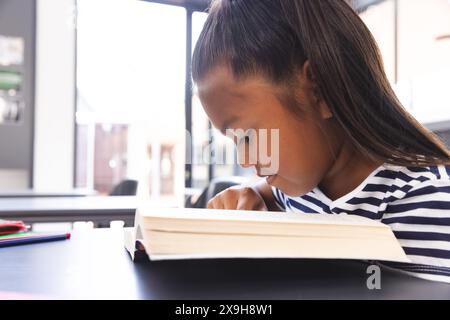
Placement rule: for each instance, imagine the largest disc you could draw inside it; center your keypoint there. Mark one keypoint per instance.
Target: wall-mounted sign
(10, 80)
(11, 111)
(11, 104)
(11, 51)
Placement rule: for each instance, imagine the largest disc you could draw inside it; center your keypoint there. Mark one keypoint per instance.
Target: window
(380, 19)
(130, 117)
(424, 58)
(414, 37)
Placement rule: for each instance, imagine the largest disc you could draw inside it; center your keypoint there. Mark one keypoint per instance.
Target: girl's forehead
(221, 80)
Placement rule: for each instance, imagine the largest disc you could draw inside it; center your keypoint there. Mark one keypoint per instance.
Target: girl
(312, 70)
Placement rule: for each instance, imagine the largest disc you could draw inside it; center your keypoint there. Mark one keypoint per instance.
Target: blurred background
(96, 96)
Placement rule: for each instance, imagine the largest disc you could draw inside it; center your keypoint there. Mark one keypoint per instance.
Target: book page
(256, 216)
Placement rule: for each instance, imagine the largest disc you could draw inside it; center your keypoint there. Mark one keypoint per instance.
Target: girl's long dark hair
(274, 38)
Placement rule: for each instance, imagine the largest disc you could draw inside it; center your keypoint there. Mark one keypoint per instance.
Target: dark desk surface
(69, 209)
(31, 193)
(94, 264)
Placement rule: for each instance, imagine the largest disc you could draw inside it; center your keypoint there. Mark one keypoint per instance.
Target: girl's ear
(319, 103)
(325, 112)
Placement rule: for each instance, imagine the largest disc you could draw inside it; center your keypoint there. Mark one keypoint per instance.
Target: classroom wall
(55, 95)
(17, 18)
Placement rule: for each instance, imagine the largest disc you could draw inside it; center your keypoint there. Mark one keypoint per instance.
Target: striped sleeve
(279, 198)
(421, 222)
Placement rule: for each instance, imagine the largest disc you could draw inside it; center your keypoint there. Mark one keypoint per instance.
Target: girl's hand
(238, 198)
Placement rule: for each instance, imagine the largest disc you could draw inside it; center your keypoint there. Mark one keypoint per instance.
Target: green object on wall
(10, 80)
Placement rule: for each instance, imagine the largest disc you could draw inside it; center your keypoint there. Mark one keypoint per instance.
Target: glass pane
(424, 58)
(380, 19)
(200, 123)
(131, 85)
(423, 51)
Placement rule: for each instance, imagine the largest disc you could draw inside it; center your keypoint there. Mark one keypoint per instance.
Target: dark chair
(216, 186)
(125, 188)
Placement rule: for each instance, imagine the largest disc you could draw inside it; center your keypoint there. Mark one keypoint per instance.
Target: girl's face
(308, 144)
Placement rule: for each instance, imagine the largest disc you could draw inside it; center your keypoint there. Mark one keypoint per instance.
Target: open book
(171, 233)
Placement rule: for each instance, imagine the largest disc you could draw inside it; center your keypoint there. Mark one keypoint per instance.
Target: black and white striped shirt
(414, 202)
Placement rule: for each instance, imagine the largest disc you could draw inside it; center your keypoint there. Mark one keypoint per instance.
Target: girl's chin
(288, 189)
